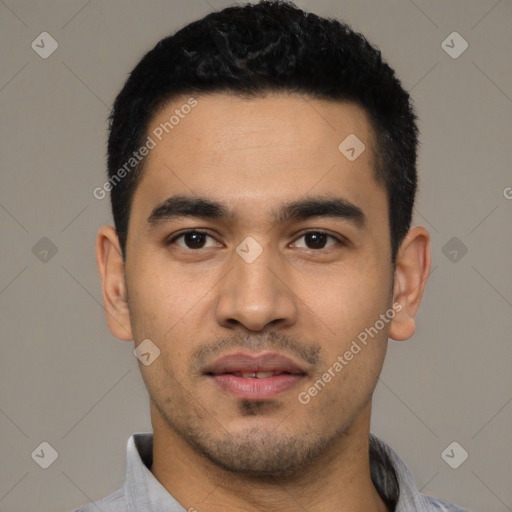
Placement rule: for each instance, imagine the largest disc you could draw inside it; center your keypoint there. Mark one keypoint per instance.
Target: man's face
(246, 326)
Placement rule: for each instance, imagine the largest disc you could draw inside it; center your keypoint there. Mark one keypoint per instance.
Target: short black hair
(256, 49)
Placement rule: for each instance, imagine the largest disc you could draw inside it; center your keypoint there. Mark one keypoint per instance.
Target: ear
(411, 272)
(111, 267)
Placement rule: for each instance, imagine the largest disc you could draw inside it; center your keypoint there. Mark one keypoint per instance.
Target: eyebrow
(178, 206)
(336, 207)
(187, 206)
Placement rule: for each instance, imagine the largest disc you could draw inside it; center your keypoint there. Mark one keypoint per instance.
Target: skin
(213, 451)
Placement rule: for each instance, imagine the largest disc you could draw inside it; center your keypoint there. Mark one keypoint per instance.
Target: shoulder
(112, 503)
(443, 506)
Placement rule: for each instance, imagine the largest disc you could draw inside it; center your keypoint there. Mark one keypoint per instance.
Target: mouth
(258, 375)
(250, 377)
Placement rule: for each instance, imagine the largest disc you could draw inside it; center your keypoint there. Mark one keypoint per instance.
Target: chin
(260, 452)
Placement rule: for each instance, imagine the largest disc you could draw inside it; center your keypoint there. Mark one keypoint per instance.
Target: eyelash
(340, 240)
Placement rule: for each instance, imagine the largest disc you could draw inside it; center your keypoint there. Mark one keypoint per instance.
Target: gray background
(65, 380)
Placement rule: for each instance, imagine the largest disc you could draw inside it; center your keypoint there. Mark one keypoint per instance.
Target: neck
(338, 481)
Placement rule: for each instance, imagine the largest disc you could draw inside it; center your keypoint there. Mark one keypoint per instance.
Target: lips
(250, 377)
(246, 363)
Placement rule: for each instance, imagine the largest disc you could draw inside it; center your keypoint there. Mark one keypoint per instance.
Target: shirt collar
(142, 490)
(394, 481)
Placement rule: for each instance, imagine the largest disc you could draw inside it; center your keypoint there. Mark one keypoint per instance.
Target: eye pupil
(316, 240)
(195, 240)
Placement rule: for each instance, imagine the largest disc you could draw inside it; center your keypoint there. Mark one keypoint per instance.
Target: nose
(257, 294)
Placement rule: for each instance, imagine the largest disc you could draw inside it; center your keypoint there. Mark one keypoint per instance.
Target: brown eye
(316, 240)
(194, 240)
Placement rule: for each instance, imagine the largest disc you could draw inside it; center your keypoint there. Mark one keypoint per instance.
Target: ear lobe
(111, 268)
(411, 272)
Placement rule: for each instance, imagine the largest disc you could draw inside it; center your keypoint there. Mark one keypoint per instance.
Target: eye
(194, 240)
(316, 240)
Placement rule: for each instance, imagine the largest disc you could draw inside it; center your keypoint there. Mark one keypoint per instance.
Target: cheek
(347, 304)
(161, 294)
(335, 398)
(164, 306)
(348, 299)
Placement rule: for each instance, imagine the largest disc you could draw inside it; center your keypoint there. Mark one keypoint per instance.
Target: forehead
(259, 152)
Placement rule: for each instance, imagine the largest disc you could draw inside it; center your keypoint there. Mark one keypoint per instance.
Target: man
(262, 176)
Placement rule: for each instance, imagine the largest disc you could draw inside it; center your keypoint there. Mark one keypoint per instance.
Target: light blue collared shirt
(142, 492)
